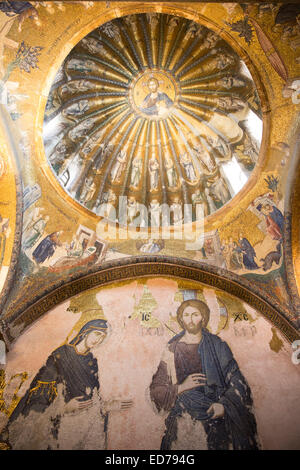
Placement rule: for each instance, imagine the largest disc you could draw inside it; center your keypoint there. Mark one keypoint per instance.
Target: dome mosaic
(151, 110)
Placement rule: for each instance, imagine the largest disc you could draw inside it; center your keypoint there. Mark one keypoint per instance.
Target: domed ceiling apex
(157, 109)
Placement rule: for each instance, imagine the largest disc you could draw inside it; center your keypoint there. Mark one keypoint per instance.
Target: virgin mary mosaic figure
(63, 408)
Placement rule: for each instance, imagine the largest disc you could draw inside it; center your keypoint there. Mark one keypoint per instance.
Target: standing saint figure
(246, 249)
(176, 209)
(155, 213)
(136, 171)
(156, 102)
(63, 409)
(205, 158)
(186, 162)
(154, 173)
(119, 166)
(88, 190)
(171, 172)
(199, 383)
(132, 209)
(198, 197)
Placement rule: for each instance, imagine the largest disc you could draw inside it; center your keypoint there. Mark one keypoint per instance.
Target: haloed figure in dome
(156, 102)
(63, 408)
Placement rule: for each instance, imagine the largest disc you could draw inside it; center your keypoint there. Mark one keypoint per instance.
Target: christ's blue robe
(150, 107)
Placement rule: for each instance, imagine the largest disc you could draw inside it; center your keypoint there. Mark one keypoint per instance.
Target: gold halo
(139, 91)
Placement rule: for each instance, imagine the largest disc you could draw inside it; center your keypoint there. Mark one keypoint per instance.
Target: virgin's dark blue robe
(78, 374)
(225, 385)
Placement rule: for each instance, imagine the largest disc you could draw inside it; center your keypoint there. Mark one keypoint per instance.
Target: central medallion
(153, 94)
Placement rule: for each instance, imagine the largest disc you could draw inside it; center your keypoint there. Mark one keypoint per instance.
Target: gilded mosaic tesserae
(149, 225)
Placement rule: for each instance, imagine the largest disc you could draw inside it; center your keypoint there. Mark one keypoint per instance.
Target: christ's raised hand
(192, 381)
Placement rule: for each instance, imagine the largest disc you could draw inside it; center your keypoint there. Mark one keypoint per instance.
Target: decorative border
(138, 267)
(190, 1)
